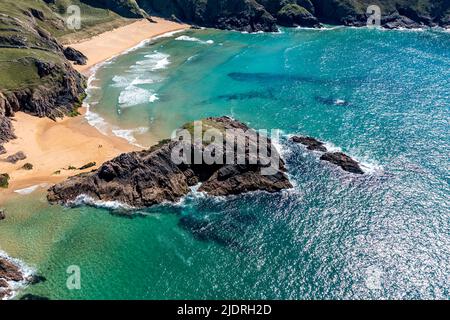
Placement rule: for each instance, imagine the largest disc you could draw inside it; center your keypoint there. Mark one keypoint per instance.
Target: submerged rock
(2, 214)
(310, 143)
(146, 178)
(342, 160)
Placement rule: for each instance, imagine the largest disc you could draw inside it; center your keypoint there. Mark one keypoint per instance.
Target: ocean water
(383, 97)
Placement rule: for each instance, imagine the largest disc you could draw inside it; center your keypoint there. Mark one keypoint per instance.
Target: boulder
(74, 55)
(14, 158)
(342, 160)
(310, 143)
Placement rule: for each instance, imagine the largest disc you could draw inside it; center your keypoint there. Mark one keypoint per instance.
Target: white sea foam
(339, 102)
(87, 200)
(153, 62)
(96, 121)
(26, 271)
(130, 134)
(133, 96)
(30, 189)
(192, 39)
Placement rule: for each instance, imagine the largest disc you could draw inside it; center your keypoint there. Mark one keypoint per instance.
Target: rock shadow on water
(329, 101)
(224, 228)
(249, 95)
(266, 77)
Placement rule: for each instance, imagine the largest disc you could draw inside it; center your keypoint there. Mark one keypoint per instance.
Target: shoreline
(108, 45)
(54, 146)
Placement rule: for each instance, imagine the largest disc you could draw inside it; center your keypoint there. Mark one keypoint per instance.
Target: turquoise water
(382, 97)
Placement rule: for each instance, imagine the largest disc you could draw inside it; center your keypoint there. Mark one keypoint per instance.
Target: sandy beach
(54, 146)
(109, 44)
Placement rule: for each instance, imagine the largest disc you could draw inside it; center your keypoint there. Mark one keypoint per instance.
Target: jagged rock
(8, 272)
(75, 55)
(142, 179)
(342, 160)
(242, 15)
(15, 41)
(38, 14)
(2, 149)
(12, 276)
(14, 158)
(397, 21)
(294, 15)
(310, 143)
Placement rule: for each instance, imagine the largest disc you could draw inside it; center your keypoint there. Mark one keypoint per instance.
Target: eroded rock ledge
(146, 178)
(13, 277)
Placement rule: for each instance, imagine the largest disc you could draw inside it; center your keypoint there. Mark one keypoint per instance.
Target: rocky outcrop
(52, 87)
(337, 158)
(342, 160)
(11, 276)
(242, 15)
(311, 143)
(74, 55)
(261, 15)
(2, 214)
(142, 179)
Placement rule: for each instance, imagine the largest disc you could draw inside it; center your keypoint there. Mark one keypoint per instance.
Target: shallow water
(382, 97)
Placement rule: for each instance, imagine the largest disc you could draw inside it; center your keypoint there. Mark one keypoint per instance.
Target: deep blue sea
(382, 97)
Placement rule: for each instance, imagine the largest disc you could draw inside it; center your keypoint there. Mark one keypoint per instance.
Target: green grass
(18, 70)
(4, 180)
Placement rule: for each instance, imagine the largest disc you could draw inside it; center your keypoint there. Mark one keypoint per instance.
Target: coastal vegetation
(4, 180)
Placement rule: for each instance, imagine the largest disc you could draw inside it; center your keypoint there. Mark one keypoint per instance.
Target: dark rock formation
(310, 143)
(74, 55)
(150, 177)
(342, 160)
(261, 15)
(27, 166)
(242, 15)
(14, 158)
(38, 14)
(9, 272)
(2, 214)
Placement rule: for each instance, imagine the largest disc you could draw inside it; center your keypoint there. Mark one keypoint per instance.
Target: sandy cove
(112, 43)
(54, 146)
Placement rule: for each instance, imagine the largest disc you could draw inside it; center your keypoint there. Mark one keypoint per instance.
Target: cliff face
(36, 77)
(142, 179)
(242, 15)
(261, 15)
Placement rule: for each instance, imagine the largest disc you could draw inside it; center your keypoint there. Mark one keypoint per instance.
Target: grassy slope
(18, 69)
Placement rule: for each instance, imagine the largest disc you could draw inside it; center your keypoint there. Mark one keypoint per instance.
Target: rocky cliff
(36, 76)
(262, 15)
(142, 179)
